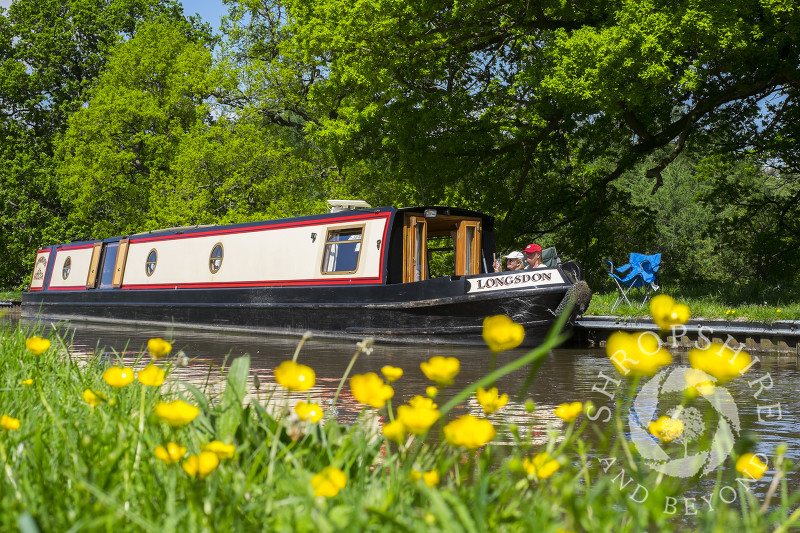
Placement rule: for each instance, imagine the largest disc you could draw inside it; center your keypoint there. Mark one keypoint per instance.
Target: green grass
(11, 295)
(72, 467)
(709, 307)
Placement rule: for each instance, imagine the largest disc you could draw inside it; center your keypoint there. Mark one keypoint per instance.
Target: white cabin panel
(80, 260)
(267, 255)
(39, 270)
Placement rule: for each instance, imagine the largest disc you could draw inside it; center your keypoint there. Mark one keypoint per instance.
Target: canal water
(767, 398)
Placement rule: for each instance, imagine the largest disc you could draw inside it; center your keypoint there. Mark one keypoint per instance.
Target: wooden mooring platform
(781, 336)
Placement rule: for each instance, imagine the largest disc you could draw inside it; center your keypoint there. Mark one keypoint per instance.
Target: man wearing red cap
(533, 256)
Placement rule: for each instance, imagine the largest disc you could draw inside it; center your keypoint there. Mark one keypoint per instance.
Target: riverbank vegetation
(757, 306)
(104, 442)
(586, 126)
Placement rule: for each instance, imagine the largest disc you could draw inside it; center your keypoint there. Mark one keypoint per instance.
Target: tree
(532, 110)
(164, 141)
(50, 54)
(119, 148)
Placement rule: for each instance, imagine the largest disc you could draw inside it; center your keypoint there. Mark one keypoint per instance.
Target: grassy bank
(709, 307)
(85, 446)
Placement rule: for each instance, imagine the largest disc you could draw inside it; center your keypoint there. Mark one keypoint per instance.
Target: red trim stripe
(68, 288)
(265, 283)
(66, 248)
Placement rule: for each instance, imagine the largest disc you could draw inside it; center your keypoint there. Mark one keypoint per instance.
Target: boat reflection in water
(207, 354)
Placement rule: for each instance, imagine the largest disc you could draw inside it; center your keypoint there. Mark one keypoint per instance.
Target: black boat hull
(434, 311)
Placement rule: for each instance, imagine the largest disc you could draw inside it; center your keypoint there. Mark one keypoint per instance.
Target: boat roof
(427, 211)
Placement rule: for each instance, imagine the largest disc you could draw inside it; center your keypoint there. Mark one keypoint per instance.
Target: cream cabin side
(258, 256)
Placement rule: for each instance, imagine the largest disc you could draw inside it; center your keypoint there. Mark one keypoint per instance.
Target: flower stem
(141, 429)
(346, 373)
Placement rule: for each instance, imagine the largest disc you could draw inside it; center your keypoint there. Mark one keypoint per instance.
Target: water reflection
(767, 398)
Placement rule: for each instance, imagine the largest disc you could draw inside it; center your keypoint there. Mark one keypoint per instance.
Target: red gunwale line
(70, 288)
(233, 284)
(263, 227)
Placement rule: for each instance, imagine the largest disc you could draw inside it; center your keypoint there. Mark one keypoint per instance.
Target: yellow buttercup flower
(223, 451)
(469, 431)
(431, 391)
(93, 398)
(666, 428)
(637, 354)
(490, 400)
(295, 377)
(750, 465)
(541, 465)
(158, 348)
(720, 361)
(440, 369)
(9, 423)
(431, 478)
(391, 373)
(422, 402)
(698, 382)
(177, 413)
(27, 382)
(151, 375)
(37, 345)
(201, 465)
(171, 453)
(370, 389)
(329, 482)
(395, 431)
(309, 412)
(118, 376)
(417, 420)
(667, 313)
(568, 412)
(501, 333)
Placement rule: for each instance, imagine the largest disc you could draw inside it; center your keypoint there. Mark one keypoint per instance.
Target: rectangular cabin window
(109, 262)
(342, 250)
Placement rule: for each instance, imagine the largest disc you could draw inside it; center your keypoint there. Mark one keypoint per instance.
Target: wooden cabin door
(91, 279)
(415, 237)
(468, 248)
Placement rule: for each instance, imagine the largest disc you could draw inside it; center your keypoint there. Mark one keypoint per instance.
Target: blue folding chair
(641, 276)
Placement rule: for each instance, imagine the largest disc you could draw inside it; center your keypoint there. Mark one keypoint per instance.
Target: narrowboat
(396, 274)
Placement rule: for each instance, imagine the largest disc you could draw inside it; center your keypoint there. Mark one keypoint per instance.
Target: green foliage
(51, 53)
(120, 147)
(556, 118)
(30, 210)
(534, 114)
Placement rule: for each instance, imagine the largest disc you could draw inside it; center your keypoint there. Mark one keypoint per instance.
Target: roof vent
(347, 205)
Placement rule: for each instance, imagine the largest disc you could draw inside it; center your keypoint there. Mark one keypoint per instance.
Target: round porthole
(215, 259)
(67, 268)
(150, 265)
